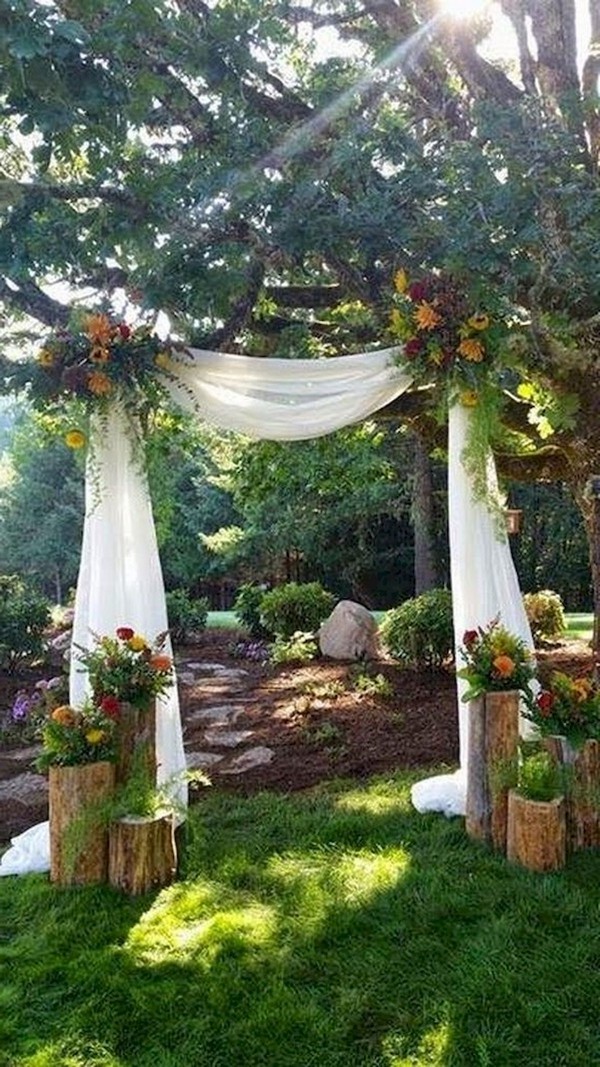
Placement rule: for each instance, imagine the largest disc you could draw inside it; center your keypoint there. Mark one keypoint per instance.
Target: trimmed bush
(24, 615)
(291, 608)
(186, 615)
(544, 610)
(420, 632)
(247, 607)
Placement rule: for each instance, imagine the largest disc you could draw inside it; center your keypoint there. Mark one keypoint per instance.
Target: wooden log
(536, 836)
(78, 841)
(142, 853)
(492, 749)
(583, 789)
(136, 742)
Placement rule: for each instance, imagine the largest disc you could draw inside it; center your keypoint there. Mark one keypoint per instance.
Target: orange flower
(64, 715)
(479, 322)
(99, 384)
(75, 439)
(160, 662)
(426, 317)
(504, 666)
(99, 329)
(99, 354)
(471, 349)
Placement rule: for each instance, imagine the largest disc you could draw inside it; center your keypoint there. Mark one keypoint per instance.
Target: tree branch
(30, 299)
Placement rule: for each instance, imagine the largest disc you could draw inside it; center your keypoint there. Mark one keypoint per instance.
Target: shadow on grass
(332, 928)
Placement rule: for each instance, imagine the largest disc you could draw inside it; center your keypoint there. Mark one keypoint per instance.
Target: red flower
(125, 633)
(469, 638)
(111, 706)
(413, 347)
(418, 291)
(124, 330)
(544, 702)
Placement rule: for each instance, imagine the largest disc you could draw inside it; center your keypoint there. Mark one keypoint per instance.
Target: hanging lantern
(513, 520)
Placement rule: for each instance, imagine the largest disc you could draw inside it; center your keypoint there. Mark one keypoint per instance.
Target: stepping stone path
(210, 726)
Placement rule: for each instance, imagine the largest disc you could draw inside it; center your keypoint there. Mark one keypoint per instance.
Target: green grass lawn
(337, 928)
(580, 625)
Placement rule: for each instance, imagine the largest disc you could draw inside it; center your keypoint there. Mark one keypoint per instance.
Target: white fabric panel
(286, 399)
(484, 584)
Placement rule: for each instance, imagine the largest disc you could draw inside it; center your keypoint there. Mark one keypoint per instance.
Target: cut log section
(136, 743)
(582, 790)
(492, 751)
(78, 831)
(536, 832)
(142, 853)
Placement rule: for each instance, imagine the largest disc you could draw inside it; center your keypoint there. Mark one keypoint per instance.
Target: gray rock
(201, 761)
(226, 738)
(350, 632)
(247, 761)
(219, 715)
(23, 803)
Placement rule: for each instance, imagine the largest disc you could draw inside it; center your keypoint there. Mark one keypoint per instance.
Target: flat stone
(23, 755)
(186, 678)
(201, 761)
(247, 761)
(23, 803)
(226, 738)
(220, 714)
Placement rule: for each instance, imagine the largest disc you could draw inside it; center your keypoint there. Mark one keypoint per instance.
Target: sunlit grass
(580, 625)
(336, 928)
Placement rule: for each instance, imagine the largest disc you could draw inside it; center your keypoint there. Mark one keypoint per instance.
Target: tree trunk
(136, 743)
(583, 790)
(142, 854)
(492, 752)
(422, 517)
(78, 842)
(536, 833)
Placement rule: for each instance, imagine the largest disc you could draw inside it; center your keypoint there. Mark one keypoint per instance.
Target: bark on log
(142, 853)
(583, 790)
(79, 854)
(493, 742)
(136, 742)
(536, 832)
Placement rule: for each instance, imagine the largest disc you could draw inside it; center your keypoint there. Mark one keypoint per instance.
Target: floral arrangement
(495, 660)
(87, 368)
(73, 737)
(569, 707)
(128, 669)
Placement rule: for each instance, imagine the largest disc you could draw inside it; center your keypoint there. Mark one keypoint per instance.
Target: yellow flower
(75, 439)
(426, 317)
(137, 643)
(469, 398)
(401, 281)
(99, 384)
(94, 736)
(582, 688)
(163, 359)
(99, 329)
(99, 354)
(46, 358)
(479, 322)
(472, 350)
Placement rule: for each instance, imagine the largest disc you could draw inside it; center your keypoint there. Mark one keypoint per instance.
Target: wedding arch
(120, 579)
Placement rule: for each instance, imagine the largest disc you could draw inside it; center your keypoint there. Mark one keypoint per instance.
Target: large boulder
(350, 632)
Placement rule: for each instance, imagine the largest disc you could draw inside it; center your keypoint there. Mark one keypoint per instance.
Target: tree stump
(582, 789)
(537, 835)
(78, 842)
(492, 750)
(142, 853)
(136, 743)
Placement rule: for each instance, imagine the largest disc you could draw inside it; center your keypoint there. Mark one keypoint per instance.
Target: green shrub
(291, 608)
(544, 610)
(420, 632)
(24, 615)
(540, 778)
(299, 648)
(186, 615)
(247, 608)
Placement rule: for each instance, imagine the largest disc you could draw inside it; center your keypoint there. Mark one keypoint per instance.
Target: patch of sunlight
(433, 1049)
(361, 877)
(61, 1054)
(327, 878)
(373, 803)
(199, 921)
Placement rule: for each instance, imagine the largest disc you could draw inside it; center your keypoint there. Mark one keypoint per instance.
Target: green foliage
(187, 615)
(367, 684)
(495, 660)
(24, 615)
(539, 777)
(298, 648)
(420, 632)
(293, 607)
(545, 612)
(247, 607)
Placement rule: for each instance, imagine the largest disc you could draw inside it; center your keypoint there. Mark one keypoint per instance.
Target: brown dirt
(314, 732)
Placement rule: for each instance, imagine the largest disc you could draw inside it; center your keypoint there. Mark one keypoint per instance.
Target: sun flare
(462, 9)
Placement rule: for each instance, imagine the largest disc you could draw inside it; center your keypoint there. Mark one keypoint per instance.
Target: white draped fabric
(120, 581)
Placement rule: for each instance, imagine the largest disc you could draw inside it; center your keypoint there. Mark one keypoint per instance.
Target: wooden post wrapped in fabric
(78, 842)
(136, 742)
(582, 767)
(536, 835)
(142, 854)
(493, 743)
